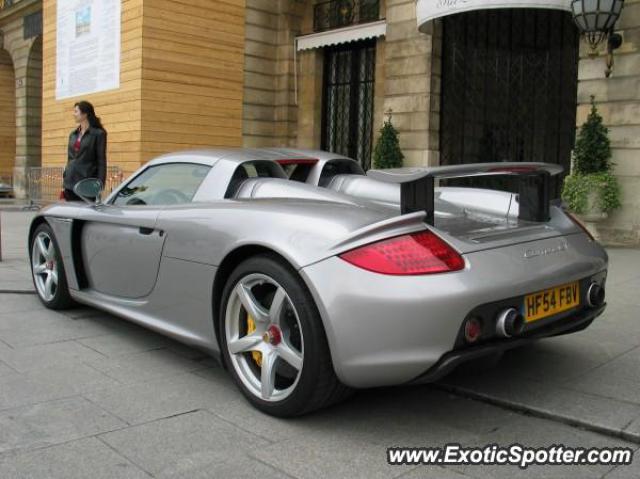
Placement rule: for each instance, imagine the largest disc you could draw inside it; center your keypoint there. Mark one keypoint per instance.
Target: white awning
(427, 10)
(351, 33)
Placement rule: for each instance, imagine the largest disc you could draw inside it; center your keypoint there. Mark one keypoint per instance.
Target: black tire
(318, 385)
(61, 298)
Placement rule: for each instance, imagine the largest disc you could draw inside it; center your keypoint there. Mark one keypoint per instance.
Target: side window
(170, 184)
(298, 171)
(339, 167)
(253, 169)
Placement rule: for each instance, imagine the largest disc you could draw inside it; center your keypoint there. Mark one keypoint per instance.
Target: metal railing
(342, 13)
(6, 184)
(45, 183)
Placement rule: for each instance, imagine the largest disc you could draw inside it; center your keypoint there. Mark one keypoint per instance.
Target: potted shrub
(387, 152)
(591, 191)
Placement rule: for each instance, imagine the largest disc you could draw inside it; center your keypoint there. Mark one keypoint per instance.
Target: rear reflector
(472, 330)
(413, 254)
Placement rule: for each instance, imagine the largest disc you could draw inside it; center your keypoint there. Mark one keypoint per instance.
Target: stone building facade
(479, 85)
(282, 106)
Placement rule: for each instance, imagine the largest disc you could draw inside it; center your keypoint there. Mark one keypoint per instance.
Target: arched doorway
(7, 117)
(509, 86)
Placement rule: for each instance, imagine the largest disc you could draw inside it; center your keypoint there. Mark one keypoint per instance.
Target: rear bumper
(453, 359)
(385, 330)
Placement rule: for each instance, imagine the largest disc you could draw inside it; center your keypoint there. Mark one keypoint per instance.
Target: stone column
(20, 52)
(21, 165)
(269, 110)
(28, 116)
(310, 78)
(407, 81)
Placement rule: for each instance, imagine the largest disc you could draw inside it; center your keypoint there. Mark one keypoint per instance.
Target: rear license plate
(551, 301)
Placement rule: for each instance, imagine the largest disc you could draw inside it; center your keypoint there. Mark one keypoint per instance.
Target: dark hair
(87, 108)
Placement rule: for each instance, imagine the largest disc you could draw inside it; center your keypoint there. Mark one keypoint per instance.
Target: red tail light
(61, 195)
(413, 254)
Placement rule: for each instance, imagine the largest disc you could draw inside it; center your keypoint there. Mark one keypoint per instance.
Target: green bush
(387, 153)
(592, 153)
(591, 168)
(577, 187)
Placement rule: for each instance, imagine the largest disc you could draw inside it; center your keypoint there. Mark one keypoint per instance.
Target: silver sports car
(307, 289)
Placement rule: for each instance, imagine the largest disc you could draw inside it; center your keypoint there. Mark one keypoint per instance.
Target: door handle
(145, 231)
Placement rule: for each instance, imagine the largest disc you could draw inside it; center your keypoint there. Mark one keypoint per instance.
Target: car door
(121, 244)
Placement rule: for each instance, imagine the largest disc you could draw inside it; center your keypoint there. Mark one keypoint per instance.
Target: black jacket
(91, 159)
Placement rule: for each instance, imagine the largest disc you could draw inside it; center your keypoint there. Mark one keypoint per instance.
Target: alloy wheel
(45, 266)
(264, 337)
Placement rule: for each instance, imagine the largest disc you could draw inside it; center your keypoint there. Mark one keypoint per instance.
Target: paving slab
(54, 422)
(15, 276)
(633, 427)
(248, 468)
(313, 456)
(433, 472)
(623, 265)
(4, 367)
(54, 382)
(82, 459)
(184, 444)
(576, 407)
(560, 359)
(125, 343)
(45, 327)
(144, 366)
(15, 230)
(626, 472)
(617, 379)
(165, 397)
(41, 356)
(19, 303)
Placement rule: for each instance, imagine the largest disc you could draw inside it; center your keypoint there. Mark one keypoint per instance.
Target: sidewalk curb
(537, 412)
(17, 291)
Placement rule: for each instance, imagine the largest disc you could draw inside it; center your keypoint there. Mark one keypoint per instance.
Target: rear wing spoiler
(417, 188)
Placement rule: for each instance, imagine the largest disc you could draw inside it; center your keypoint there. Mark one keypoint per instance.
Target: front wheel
(273, 340)
(47, 269)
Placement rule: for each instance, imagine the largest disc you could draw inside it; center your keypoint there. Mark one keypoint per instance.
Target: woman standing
(87, 152)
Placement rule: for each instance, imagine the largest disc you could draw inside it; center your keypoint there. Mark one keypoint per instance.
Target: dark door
(349, 77)
(509, 86)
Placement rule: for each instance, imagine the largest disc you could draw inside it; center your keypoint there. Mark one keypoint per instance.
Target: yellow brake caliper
(251, 327)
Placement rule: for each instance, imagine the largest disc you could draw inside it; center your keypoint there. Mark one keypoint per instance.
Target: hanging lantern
(596, 18)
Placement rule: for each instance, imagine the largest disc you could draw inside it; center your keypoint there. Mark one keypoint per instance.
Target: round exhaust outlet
(595, 295)
(510, 323)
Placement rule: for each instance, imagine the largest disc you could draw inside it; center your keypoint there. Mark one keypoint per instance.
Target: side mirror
(89, 190)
